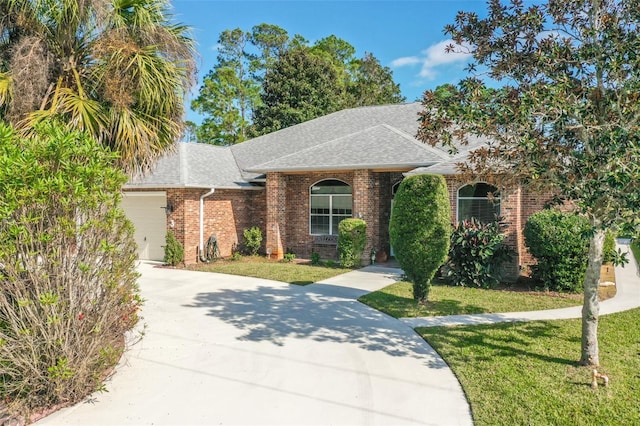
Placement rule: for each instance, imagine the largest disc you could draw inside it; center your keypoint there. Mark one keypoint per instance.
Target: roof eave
(182, 186)
(342, 167)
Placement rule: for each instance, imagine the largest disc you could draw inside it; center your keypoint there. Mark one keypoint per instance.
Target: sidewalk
(627, 297)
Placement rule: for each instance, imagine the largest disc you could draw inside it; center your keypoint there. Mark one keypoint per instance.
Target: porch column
(276, 215)
(364, 201)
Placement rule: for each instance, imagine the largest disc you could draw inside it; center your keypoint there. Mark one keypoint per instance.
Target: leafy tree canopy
(565, 117)
(236, 88)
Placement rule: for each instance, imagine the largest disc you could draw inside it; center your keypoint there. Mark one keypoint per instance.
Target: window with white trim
(331, 201)
(480, 201)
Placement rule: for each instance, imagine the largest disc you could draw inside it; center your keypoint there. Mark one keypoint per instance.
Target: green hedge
(173, 250)
(560, 243)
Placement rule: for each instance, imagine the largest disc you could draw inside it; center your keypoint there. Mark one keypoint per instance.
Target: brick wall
(227, 213)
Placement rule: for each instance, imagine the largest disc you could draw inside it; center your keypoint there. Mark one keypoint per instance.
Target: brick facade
(281, 210)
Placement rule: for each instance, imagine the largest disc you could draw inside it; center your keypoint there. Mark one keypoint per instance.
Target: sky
(407, 35)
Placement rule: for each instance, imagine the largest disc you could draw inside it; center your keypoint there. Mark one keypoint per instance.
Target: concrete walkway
(627, 297)
(221, 349)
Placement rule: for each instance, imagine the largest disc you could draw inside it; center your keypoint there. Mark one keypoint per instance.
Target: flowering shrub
(67, 267)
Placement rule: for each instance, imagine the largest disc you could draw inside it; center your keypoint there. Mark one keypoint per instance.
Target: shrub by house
(352, 239)
(420, 229)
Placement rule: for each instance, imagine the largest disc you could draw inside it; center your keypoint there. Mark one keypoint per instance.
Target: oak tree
(554, 88)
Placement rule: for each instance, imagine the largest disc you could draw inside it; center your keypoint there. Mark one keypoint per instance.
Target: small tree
(352, 239)
(68, 289)
(560, 243)
(420, 229)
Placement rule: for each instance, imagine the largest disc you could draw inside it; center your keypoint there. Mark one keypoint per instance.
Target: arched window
(481, 201)
(331, 201)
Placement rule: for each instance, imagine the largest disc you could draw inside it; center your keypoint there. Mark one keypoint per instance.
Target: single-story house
(296, 184)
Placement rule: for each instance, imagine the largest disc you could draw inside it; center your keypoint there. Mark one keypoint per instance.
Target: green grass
(397, 300)
(635, 248)
(526, 373)
(293, 273)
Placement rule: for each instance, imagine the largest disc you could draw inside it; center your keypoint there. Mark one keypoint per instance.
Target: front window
(480, 201)
(331, 201)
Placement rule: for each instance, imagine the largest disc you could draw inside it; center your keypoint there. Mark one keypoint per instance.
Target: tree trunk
(591, 307)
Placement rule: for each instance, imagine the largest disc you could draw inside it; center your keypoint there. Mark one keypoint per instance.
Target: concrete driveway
(221, 349)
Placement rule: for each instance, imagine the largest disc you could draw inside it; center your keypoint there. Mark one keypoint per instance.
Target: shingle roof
(299, 147)
(375, 137)
(378, 147)
(194, 165)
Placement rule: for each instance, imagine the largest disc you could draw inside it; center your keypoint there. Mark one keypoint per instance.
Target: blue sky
(404, 35)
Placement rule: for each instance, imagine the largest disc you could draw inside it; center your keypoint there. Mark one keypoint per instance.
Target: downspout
(202, 197)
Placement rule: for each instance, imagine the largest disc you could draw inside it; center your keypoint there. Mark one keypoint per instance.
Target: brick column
(276, 215)
(510, 200)
(364, 207)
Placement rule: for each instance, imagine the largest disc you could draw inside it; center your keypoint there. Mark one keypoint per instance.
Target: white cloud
(407, 60)
(434, 57)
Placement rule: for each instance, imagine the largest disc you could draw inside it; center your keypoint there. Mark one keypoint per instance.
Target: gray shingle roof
(374, 137)
(378, 147)
(194, 165)
(343, 128)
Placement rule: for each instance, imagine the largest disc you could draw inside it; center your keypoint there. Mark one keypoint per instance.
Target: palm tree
(118, 69)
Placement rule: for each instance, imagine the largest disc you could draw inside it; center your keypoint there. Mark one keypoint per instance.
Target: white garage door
(145, 210)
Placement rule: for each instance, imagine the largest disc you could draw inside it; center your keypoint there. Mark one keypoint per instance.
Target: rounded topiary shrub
(560, 243)
(67, 267)
(420, 229)
(352, 239)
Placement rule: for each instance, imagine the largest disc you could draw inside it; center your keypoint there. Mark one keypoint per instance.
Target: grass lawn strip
(397, 300)
(635, 249)
(527, 374)
(257, 267)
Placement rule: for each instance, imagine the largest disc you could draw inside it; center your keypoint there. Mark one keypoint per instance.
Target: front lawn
(527, 374)
(397, 300)
(635, 248)
(259, 267)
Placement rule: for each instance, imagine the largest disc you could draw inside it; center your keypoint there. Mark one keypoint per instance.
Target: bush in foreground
(67, 267)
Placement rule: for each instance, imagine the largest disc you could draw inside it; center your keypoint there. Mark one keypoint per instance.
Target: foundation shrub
(352, 238)
(420, 229)
(477, 254)
(68, 290)
(252, 240)
(560, 243)
(173, 250)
